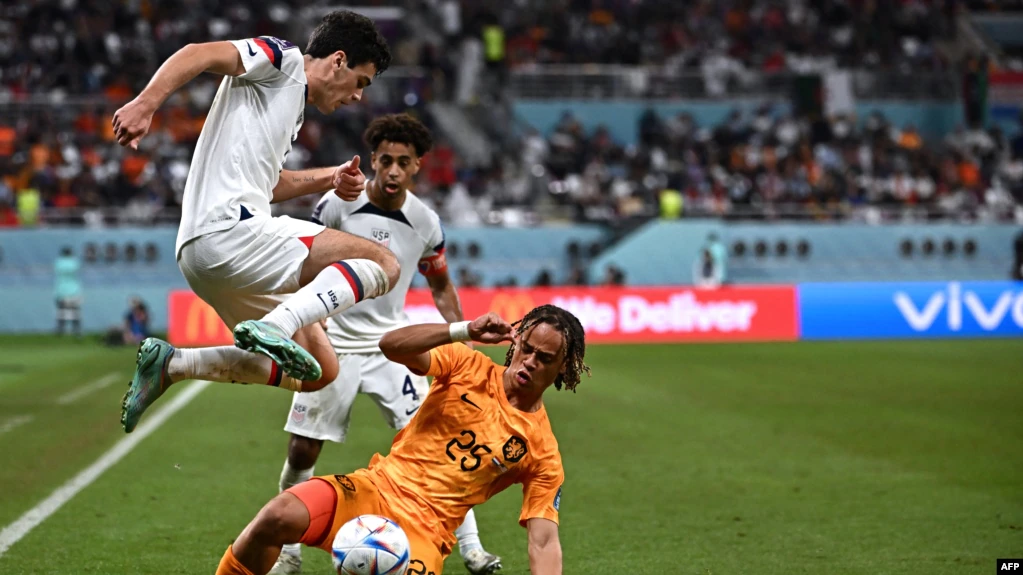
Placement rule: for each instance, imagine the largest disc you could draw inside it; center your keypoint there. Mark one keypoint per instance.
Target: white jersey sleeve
(264, 60)
(432, 261)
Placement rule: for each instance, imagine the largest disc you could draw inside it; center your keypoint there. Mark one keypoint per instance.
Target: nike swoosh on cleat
(465, 398)
(251, 51)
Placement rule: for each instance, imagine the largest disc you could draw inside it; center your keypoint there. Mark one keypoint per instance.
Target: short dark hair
(400, 129)
(355, 35)
(574, 341)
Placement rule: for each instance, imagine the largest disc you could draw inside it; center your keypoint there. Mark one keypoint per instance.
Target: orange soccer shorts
(333, 500)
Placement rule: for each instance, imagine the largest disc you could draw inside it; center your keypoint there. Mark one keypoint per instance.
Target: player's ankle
(469, 544)
(177, 367)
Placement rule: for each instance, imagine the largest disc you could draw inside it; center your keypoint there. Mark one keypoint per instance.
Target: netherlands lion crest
(514, 449)
(346, 482)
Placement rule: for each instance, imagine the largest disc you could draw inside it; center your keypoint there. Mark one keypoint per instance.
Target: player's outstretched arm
(544, 547)
(295, 184)
(410, 346)
(445, 296)
(132, 121)
(347, 181)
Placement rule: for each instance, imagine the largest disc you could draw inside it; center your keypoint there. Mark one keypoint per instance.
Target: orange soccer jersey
(466, 444)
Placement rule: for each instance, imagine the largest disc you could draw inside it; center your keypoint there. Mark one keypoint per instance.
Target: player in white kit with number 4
(390, 215)
(271, 279)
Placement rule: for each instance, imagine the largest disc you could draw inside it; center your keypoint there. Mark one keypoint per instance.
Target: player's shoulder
(463, 352)
(284, 55)
(331, 208)
(546, 453)
(421, 216)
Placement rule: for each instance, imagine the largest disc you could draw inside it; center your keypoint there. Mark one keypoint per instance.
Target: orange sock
(229, 565)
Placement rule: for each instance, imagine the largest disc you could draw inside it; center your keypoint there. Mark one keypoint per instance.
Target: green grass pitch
(866, 458)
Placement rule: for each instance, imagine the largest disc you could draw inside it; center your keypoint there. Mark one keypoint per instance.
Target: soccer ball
(370, 545)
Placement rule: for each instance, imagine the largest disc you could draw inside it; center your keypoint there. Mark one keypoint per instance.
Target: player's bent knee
(389, 263)
(283, 520)
(329, 372)
(319, 384)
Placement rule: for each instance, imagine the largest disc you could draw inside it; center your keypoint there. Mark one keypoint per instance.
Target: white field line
(78, 393)
(47, 507)
(13, 422)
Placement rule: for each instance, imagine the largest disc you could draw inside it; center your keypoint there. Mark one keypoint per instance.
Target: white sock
(230, 365)
(289, 478)
(338, 287)
(468, 534)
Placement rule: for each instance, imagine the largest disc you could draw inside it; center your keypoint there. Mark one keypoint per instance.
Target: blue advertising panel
(910, 310)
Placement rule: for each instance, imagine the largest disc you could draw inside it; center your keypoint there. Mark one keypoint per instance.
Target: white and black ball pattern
(370, 545)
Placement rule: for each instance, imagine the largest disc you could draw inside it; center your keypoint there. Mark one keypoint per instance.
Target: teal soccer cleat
(148, 383)
(265, 339)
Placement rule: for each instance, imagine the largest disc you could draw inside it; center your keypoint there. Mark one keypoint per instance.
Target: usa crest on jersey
(382, 237)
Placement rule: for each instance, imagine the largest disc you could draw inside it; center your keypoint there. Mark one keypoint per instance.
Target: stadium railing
(115, 216)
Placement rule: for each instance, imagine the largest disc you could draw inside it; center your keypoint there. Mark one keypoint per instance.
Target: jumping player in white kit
(389, 214)
(271, 279)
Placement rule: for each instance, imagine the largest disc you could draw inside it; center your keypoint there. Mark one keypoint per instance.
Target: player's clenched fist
(349, 181)
(490, 328)
(132, 122)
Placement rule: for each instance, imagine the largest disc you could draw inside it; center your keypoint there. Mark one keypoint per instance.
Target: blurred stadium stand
(722, 77)
(563, 127)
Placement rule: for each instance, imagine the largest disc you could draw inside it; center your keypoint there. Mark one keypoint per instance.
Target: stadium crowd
(64, 156)
(767, 35)
(767, 164)
(99, 46)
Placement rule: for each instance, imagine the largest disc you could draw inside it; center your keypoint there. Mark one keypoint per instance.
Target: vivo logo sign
(953, 300)
(910, 309)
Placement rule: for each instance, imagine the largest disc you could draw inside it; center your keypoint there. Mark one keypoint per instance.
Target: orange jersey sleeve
(541, 490)
(455, 361)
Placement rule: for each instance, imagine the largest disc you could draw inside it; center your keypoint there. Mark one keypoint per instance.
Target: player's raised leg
(158, 365)
(340, 271)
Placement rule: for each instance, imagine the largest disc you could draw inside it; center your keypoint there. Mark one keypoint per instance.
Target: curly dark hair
(574, 341)
(400, 129)
(354, 34)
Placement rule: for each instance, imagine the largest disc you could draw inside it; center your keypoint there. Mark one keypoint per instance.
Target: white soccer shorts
(326, 413)
(246, 271)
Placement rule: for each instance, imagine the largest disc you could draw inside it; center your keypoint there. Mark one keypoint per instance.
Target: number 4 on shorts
(408, 389)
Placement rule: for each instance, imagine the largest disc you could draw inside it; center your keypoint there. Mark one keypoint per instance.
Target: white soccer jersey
(251, 125)
(415, 236)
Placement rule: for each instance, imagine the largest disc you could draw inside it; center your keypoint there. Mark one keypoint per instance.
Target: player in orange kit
(482, 428)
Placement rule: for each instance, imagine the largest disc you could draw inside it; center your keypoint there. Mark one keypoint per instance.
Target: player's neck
(520, 398)
(381, 199)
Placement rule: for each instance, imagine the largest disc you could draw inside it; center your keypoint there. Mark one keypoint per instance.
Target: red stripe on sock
(275, 378)
(349, 279)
